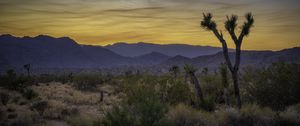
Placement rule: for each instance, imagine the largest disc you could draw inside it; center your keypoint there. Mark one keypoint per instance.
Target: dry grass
(65, 103)
(64, 96)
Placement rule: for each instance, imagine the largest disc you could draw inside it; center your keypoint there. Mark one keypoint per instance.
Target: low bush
(87, 82)
(4, 98)
(178, 92)
(77, 120)
(16, 82)
(143, 107)
(40, 106)
(249, 115)
(276, 86)
(289, 117)
(29, 94)
(182, 115)
(208, 104)
(119, 116)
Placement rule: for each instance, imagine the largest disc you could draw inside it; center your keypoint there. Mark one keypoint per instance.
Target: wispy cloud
(159, 21)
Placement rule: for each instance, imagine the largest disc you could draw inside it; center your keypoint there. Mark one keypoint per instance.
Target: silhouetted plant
(174, 70)
(40, 106)
(190, 72)
(4, 98)
(27, 67)
(12, 81)
(29, 94)
(230, 25)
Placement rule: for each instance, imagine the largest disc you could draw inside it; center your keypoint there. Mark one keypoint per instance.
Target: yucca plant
(174, 70)
(190, 73)
(27, 67)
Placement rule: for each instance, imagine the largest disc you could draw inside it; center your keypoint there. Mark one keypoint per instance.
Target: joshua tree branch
(224, 47)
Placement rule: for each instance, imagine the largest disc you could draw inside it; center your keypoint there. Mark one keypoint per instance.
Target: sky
(103, 22)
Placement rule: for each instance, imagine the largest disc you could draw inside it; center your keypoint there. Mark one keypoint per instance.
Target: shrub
(78, 120)
(249, 115)
(69, 111)
(29, 94)
(289, 117)
(12, 116)
(4, 98)
(87, 82)
(13, 82)
(178, 93)
(119, 116)
(208, 104)
(40, 106)
(276, 86)
(143, 107)
(182, 115)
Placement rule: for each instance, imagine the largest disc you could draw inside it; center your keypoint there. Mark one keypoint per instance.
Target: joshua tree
(174, 70)
(190, 72)
(27, 67)
(230, 26)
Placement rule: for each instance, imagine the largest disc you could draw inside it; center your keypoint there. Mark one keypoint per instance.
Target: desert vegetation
(270, 97)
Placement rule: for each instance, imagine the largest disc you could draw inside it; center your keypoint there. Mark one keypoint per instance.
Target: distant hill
(49, 52)
(151, 58)
(137, 49)
(248, 58)
(45, 52)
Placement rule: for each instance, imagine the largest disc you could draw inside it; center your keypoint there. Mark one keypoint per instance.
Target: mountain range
(141, 48)
(46, 52)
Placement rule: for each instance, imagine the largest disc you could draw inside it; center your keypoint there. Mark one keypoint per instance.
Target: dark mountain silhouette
(248, 58)
(141, 48)
(151, 58)
(45, 52)
(42, 51)
(48, 52)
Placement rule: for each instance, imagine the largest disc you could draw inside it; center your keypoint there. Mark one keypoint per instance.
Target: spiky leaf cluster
(248, 24)
(189, 68)
(207, 23)
(230, 23)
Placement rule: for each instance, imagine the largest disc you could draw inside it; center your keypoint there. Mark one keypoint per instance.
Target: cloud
(161, 21)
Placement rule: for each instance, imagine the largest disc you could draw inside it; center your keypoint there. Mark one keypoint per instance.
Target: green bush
(289, 117)
(119, 116)
(182, 115)
(29, 94)
(276, 86)
(40, 106)
(178, 93)
(249, 115)
(4, 98)
(208, 104)
(143, 107)
(86, 82)
(13, 81)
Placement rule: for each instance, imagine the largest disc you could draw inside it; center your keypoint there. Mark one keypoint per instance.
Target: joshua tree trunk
(236, 89)
(235, 77)
(197, 87)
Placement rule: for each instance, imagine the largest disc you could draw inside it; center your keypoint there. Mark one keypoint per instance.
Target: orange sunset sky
(103, 22)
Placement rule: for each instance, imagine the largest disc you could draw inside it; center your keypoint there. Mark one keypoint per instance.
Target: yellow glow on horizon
(105, 22)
